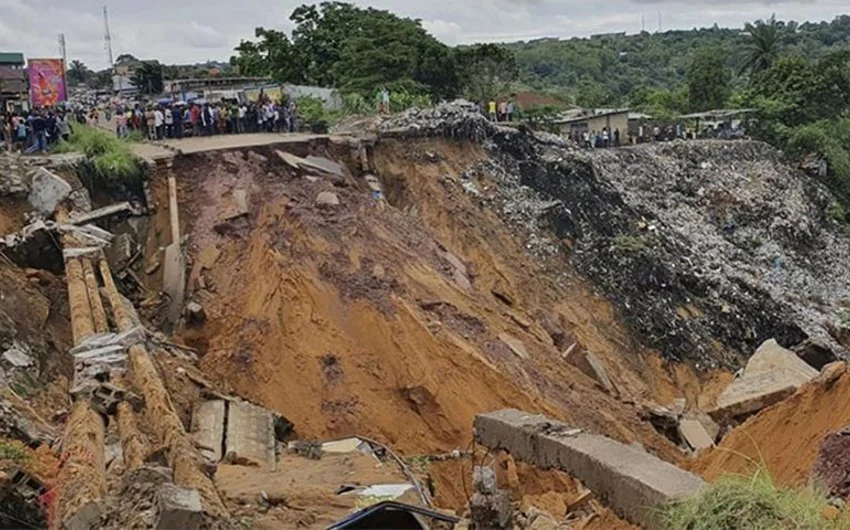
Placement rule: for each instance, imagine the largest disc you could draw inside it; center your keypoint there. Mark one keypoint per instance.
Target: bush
(749, 503)
(110, 162)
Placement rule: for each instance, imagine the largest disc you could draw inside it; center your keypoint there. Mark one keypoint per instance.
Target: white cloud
(197, 30)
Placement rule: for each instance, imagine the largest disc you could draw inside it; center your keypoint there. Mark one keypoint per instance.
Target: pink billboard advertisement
(47, 82)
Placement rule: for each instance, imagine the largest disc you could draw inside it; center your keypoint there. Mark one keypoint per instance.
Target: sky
(190, 31)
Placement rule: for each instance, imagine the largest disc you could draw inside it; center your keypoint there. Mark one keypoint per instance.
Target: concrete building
(13, 81)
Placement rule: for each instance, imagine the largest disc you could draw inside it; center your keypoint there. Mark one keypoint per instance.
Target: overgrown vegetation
(13, 451)
(750, 503)
(110, 160)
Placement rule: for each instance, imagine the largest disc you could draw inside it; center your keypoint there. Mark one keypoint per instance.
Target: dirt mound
(786, 437)
(399, 321)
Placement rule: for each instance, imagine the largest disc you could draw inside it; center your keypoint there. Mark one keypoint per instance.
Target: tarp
(47, 82)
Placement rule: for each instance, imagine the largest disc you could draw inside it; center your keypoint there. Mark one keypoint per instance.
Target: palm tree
(77, 72)
(764, 45)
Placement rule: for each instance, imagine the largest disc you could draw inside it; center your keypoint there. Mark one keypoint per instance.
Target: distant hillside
(615, 65)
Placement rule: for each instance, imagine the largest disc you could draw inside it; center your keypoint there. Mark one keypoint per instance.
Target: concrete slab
(772, 374)
(692, 431)
(208, 428)
(100, 213)
(250, 434)
(631, 481)
(323, 165)
(47, 191)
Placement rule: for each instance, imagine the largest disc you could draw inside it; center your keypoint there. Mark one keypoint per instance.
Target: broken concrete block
(208, 428)
(174, 280)
(323, 165)
(772, 374)
(47, 191)
(484, 480)
(250, 434)
(120, 252)
(516, 345)
(195, 313)
(633, 482)
(17, 358)
(327, 199)
(711, 427)
(179, 508)
(694, 434)
(491, 512)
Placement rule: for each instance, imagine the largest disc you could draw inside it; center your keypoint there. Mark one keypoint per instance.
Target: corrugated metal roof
(11, 58)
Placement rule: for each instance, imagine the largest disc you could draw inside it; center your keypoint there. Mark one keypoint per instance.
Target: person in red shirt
(194, 118)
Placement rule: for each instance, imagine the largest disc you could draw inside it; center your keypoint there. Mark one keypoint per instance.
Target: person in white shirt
(243, 111)
(158, 121)
(169, 123)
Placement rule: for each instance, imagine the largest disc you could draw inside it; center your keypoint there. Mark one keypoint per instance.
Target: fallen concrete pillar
(629, 480)
(106, 211)
(132, 446)
(82, 325)
(97, 313)
(81, 482)
(183, 457)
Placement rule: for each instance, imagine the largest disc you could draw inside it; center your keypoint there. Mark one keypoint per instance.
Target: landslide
(397, 321)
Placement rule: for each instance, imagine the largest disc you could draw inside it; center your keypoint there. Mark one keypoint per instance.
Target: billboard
(47, 82)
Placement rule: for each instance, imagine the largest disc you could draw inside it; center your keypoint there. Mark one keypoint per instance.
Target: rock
(516, 345)
(327, 200)
(831, 373)
(17, 358)
(831, 470)
(550, 323)
(257, 157)
(47, 191)
(772, 374)
(710, 426)
(591, 366)
(179, 508)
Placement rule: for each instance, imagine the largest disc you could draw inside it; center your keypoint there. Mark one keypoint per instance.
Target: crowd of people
(176, 120)
(36, 131)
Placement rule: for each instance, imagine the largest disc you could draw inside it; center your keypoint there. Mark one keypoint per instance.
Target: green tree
(488, 71)
(708, 80)
(101, 80)
(340, 45)
(78, 73)
(763, 47)
(148, 77)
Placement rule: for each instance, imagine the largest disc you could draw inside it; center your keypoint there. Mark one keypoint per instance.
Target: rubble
(490, 508)
(327, 199)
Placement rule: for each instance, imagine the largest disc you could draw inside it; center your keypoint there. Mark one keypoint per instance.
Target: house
(13, 81)
(611, 119)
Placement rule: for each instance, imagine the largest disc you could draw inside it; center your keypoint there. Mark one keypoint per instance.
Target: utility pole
(63, 51)
(642, 23)
(659, 21)
(107, 41)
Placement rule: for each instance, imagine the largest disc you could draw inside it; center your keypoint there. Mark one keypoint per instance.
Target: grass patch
(14, 452)
(628, 243)
(750, 503)
(110, 162)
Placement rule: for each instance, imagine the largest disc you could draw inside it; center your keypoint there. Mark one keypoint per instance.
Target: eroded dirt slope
(399, 321)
